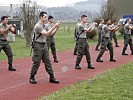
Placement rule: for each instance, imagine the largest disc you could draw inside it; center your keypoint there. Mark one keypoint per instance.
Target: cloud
(48, 3)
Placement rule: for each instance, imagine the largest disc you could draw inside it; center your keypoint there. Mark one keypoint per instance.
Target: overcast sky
(48, 3)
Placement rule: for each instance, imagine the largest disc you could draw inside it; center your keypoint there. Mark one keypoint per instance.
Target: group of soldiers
(43, 40)
(106, 32)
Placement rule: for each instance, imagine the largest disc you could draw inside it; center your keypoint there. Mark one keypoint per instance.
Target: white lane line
(19, 85)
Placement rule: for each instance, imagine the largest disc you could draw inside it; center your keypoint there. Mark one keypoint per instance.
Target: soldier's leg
(88, 58)
(36, 58)
(48, 45)
(53, 50)
(115, 40)
(110, 47)
(80, 51)
(48, 66)
(99, 42)
(8, 51)
(126, 42)
(131, 45)
(46, 60)
(0, 48)
(103, 48)
(111, 36)
(75, 49)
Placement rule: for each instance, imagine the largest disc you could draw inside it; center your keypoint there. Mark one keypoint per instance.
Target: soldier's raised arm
(4, 31)
(49, 32)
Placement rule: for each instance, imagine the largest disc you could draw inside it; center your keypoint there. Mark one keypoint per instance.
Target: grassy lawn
(116, 84)
(64, 41)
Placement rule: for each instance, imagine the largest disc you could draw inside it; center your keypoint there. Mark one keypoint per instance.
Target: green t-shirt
(38, 29)
(3, 36)
(81, 28)
(106, 31)
(127, 29)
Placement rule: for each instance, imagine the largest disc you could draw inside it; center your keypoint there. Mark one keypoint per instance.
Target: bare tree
(28, 11)
(109, 10)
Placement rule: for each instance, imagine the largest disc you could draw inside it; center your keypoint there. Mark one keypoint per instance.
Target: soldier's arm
(4, 31)
(91, 28)
(48, 33)
(54, 31)
(117, 29)
(131, 27)
(13, 29)
(113, 29)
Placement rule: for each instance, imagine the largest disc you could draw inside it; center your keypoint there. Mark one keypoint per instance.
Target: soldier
(113, 34)
(76, 34)
(40, 49)
(106, 41)
(4, 44)
(127, 37)
(82, 43)
(99, 34)
(50, 39)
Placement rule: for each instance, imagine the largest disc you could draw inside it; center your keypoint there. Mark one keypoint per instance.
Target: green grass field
(64, 41)
(116, 84)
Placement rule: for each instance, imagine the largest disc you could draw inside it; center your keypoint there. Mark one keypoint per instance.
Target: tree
(109, 10)
(28, 11)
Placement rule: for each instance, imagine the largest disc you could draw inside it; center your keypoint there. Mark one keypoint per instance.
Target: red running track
(16, 86)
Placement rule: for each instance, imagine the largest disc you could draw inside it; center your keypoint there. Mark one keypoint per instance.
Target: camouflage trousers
(40, 53)
(51, 44)
(82, 48)
(128, 41)
(114, 37)
(99, 40)
(4, 45)
(106, 42)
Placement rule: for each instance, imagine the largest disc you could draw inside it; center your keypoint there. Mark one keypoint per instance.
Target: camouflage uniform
(40, 52)
(99, 35)
(127, 38)
(76, 33)
(106, 42)
(50, 41)
(4, 44)
(83, 46)
(114, 36)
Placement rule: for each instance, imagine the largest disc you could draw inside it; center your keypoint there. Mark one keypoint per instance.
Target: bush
(121, 30)
(92, 34)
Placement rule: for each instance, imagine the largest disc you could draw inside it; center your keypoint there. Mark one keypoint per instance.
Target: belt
(40, 42)
(106, 37)
(82, 38)
(3, 40)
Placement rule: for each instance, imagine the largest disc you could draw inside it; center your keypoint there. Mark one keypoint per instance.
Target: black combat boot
(117, 46)
(97, 49)
(55, 59)
(52, 79)
(123, 53)
(90, 66)
(77, 66)
(74, 53)
(32, 79)
(131, 52)
(98, 59)
(112, 60)
(11, 68)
